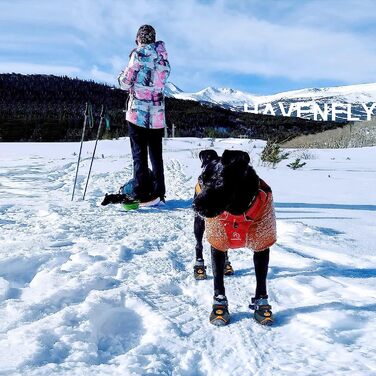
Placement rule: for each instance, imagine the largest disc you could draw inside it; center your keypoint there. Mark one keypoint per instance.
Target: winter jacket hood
(152, 50)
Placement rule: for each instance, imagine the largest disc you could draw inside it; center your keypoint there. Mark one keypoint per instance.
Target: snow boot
(199, 270)
(228, 268)
(220, 315)
(262, 310)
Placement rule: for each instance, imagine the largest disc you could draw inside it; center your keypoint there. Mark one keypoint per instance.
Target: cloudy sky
(261, 46)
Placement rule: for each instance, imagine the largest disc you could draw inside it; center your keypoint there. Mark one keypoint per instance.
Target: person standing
(144, 78)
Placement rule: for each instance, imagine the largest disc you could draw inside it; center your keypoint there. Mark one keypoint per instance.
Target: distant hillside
(50, 108)
(353, 135)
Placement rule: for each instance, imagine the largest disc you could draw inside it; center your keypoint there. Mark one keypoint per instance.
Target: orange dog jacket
(254, 229)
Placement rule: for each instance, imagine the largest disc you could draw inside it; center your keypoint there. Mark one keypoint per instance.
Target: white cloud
(308, 41)
(336, 15)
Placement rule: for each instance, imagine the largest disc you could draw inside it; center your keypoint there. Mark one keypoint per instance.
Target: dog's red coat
(254, 229)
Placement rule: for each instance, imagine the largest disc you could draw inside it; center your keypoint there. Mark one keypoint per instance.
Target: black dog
(199, 268)
(238, 210)
(127, 198)
(115, 198)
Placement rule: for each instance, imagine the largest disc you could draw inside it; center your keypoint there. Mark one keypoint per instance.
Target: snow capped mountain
(235, 99)
(171, 90)
(363, 93)
(224, 97)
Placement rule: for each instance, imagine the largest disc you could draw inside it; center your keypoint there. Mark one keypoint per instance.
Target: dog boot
(263, 310)
(199, 270)
(228, 268)
(220, 315)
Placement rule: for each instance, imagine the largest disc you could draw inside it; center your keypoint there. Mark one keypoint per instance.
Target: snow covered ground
(92, 290)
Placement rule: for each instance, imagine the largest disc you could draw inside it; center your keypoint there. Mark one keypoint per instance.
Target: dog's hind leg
(228, 267)
(199, 228)
(261, 263)
(199, 269)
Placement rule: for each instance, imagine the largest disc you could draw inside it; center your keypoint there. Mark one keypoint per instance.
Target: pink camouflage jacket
(144, 78)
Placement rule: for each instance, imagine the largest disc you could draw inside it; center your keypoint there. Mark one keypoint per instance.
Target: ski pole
(95, 148)
(82, 140)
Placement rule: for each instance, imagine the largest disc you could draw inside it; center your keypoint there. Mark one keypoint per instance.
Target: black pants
(142, 141)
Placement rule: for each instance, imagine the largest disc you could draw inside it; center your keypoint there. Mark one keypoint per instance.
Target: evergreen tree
(272, 153)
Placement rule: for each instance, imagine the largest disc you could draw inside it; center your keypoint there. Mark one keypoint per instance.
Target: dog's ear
(207, 156)
(238, 157)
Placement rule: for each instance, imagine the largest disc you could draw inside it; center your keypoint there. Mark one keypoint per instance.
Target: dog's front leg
(260, 304)
(220, 315)
(261, 263)
(218, 264)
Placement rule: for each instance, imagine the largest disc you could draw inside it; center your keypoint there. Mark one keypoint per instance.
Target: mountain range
(51, 108)
(233, 99)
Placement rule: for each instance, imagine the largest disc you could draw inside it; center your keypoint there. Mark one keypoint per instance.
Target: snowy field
(92, 290)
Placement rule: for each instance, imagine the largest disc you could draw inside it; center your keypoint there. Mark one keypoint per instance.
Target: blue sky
(263, 46)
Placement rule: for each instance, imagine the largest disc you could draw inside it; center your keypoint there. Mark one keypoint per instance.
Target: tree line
(50, 108)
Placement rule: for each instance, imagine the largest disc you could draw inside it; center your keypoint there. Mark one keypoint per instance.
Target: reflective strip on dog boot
(228, 270)
(199, 270)
(220, 315)
(263, 314)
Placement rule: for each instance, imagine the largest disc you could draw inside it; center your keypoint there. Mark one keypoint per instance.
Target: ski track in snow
(91, 290)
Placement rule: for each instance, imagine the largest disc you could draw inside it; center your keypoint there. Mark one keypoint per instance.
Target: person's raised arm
(128, 76)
